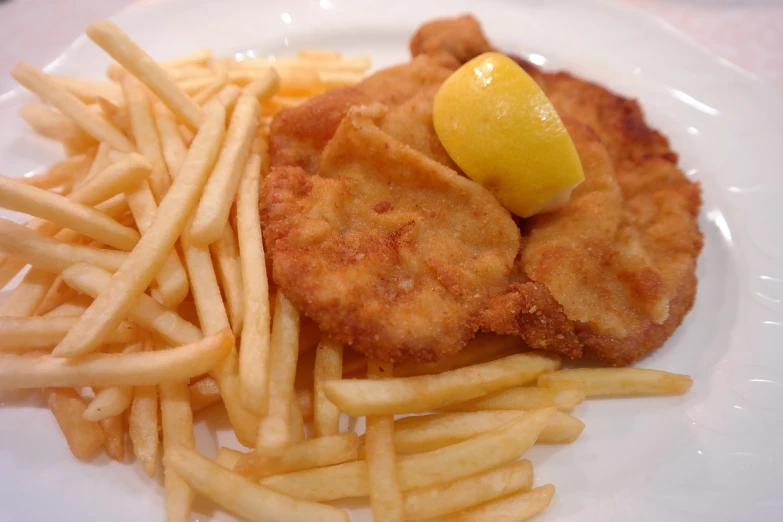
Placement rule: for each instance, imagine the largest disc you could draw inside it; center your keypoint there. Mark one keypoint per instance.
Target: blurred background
(748, 33)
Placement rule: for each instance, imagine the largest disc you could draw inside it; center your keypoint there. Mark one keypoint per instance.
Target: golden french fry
(304, 397)
(203, 393)
(197, 58)
(228, 457)
(145, 134)
(523, 398)
(174, 149)
(109, 402)
(118, 177)
(192, 86)
(226, 255)
(85, 438)
(328, 366)
(58, 293)
(133, 58)
(186, 72)
(51, 123)
(384, 489)
(143, 428)
(209, 90)
(144, 262)
(117, 116)
(419, 470)
(429, 432)
(133, 369)
(114, 431)
(274, 433)
(617, 382)
(429, 392)
(227, 96)
(254, 344)
(145, 311)
(28, 296)
(101, 161)
(332, 79)
(515, 508)
(213, 209)
(319, 55)
(89, 91)
(49, 91)
(177, 428)
(306, 454)
(59, 174)
(73, 307)
(263, 87)
(42, 333)
(297, 421)
(51, 255)
(484, 347)
(88, 221)
(444, 499)
(242, 497)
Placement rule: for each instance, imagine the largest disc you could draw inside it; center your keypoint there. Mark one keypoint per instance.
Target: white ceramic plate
(713, 455)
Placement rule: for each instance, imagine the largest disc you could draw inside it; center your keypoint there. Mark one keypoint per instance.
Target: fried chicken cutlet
(621, 256)
(397, 255)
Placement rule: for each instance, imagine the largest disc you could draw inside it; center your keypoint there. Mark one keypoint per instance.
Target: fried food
(621, 256)
(397, 255)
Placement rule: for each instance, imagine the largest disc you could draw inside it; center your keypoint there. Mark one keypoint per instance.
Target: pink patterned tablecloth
(746, 32)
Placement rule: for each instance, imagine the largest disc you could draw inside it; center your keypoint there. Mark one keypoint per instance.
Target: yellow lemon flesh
(500, 128)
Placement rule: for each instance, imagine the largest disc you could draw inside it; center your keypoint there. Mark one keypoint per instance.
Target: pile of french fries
(147, 300)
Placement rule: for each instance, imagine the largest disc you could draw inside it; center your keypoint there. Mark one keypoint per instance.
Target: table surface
(746, 32)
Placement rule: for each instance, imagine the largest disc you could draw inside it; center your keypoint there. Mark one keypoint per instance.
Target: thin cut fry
(429, 392)
(145, 311)
(618, 382)
(307, 454)
(263, 87)
(73, 307)
(443, 499)
(42, 333)
(515, 508)
(63, 211)
(228, 457)
(49, 91)
(85, 438)
(213, 209)
(177, 427)
(118, 116)
(51, 255)
(523, 398)
(58, 293)
(203, 393)
(254, 344)
(51, 123)
(226, 255)
(116, 178)
(28, 296)
(143, 428)
(305, 399)
(114, 431)
(242, 497)
(200, 57)
(227, 96)
(328, 366)
(274, 433)
(89, 91)
(297, 421)
(58, 174)
(144, 262)
(174, 149)
(133, 58)
(134, 369)
(384, 488)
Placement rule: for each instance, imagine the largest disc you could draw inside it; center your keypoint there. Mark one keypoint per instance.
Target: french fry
(212, 88)
(225, 252)
(203, 393)
(60, 173)
(429, 392)
(177, 428)
(384, 488)
(73, 307)
(304, 397)
(617, 382)
(274, 433)
(297, 421)
(254, 345)
(133, 58)
(85, 438)
(63, 211)
(112, 401)
(174, 149)
(430, 432)
(444, 499)
(114, 431)
(144, 262)
(211, 215)
(306, 454)
(419, 470)
(58, 293)
(484, 347)
(145, 134)
(100, 162)
(89, 91)
(118, 177)
(515, 508)
(263, 87)
(117, 116)
(523, 398)
(134, 369)
(319, 55)
(42, 333)
(227, 97)
(49, 91)
(190, 71)
(51, 123)
(51, 255)
(242, 497)
(192, 86)
(228, 457)
(328, 366)
(28, 296)
(197, 58)
(145, 311)
(143, 428)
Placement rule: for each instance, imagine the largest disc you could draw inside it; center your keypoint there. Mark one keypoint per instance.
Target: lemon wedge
(500, 128)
